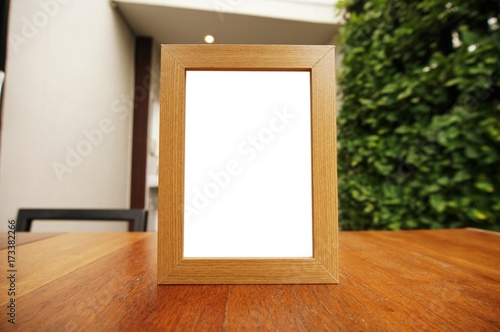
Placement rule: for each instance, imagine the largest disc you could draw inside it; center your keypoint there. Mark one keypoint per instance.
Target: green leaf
(368, 103)
(472, 152)
(404, 129)
(404, 94)
(395, 226)
(432, 188)
(484, 185)
(437, 202)
(411, 224)
(461, 175)
(479, 214)
(383, 169)
(455, 81)
(368, 208)
(390, 88)
(443, 181)
(358, 196)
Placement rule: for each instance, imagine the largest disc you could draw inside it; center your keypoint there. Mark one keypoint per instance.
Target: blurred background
(419, 129)
(80, 108)
(418, 111)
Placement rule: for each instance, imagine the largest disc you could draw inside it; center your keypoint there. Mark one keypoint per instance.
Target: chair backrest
(136, 218)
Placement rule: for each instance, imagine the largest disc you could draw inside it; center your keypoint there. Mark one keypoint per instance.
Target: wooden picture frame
(173, 268)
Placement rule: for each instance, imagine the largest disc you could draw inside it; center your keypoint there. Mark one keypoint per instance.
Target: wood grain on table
(440, 280)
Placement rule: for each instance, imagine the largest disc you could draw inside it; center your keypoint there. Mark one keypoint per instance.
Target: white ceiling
(305, 22)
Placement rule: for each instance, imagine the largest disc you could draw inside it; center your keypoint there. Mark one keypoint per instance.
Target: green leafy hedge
(419, 128)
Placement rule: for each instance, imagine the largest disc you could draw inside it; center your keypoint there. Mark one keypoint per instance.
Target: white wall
(69, 75)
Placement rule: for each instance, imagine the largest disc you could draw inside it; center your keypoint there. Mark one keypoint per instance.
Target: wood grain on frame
(172, 267)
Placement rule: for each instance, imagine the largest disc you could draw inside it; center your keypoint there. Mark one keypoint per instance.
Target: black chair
(136, 218)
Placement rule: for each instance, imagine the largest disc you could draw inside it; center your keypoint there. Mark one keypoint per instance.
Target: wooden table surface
(440, 280)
